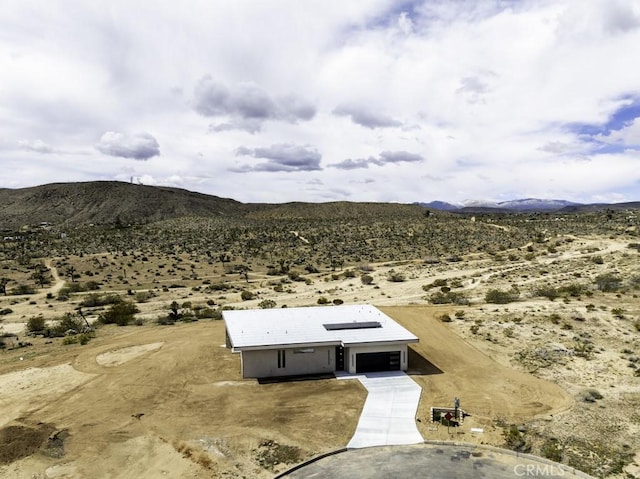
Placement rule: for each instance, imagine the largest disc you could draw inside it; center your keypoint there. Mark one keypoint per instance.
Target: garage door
(385, 361)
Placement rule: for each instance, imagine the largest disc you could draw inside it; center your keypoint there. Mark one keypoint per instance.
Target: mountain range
(526, 204)
(112, 202)
(109, 202)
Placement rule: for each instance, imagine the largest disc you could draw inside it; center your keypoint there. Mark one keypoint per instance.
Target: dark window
(282, 359)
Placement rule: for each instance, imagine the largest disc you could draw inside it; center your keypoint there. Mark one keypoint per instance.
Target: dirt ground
(174, 396)
(154, 400)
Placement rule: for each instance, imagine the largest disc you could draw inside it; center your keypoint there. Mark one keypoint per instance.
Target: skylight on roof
(352, 325)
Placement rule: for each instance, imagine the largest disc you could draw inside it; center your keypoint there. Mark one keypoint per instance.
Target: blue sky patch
(620, 118)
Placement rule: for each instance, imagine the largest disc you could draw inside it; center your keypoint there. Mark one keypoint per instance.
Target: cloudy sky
(321, 100)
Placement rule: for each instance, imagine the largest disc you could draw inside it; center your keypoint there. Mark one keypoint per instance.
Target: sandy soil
(170, 401)
(177, 400)
(121, 356)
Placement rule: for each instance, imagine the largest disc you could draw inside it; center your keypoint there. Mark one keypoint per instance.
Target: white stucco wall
(264, 363)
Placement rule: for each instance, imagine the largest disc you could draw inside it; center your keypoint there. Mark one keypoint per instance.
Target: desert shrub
(547, 292)
(608, 282)
(551, 449)
(396, 277)
(438, 283)
(278, 288)
(144, 296)
(5, 311)
(597, 259)
(496, 296)
(515, 439)
(247, 295)
(120, 313)
(67, 323)
(366, 279)
(460, 314)
(93, 300)
(618, 313)
(573, 289)
(338, 301)
(210, 313)
(349, 273)
(36, 324)
(450, 297)
(445, 318)
(22, 289)
(323, 300)
(165, 320)
(295, 276)
(270, 454)
(555, 318)
(267, 304)
(590, 395)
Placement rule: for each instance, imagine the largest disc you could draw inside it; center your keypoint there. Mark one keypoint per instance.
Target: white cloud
(281, 158)
(140, 146)
(38, 146)
(628, 136)
(491, 93)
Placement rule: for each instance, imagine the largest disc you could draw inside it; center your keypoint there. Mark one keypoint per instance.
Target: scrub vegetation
(553, 295)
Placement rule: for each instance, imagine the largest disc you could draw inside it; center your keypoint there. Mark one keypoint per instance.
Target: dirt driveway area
(155, 401)
(446, 367)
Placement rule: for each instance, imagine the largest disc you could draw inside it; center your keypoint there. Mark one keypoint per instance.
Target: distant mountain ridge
(525, 204)
(114, 202)
(111, 202)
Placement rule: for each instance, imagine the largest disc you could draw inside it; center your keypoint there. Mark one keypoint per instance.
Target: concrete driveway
(388, 415)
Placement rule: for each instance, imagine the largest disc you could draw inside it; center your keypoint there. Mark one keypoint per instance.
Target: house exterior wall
(264, 363)
(355, 350)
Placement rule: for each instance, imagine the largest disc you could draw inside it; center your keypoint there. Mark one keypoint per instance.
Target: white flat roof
(278, 327)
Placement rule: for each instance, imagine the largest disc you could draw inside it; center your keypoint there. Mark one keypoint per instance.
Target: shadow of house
(419, 365)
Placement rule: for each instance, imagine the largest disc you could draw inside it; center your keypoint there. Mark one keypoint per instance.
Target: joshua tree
(70, 272)
(224, 258)
(40, 274)
(3, 285)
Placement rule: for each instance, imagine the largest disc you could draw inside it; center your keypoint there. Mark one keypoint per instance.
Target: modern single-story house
(315, 340)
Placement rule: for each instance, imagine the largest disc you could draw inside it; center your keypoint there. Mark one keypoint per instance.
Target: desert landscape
(531, 319)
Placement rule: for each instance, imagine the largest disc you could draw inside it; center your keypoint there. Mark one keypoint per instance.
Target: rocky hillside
(102, 202)
(110, 202)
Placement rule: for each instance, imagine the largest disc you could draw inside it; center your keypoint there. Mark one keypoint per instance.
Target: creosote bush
(120, 313)
(36, 324)
(496, 296)
(267, 304)
(450, 297)
(247, 295)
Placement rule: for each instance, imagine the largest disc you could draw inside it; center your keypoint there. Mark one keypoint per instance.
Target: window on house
(282, 360)
(303, 350)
